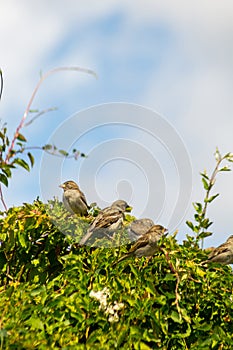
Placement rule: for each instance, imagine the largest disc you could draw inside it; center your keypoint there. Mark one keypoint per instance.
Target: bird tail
(119, 260)
(85, 238)
(202, 263)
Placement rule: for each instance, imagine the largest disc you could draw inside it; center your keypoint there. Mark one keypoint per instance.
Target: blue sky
(172, 58)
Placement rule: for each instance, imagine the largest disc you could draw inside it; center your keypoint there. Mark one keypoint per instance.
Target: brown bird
(222, 254)
(108, 221)
(138, 227)
(147, 244)
(74, 199)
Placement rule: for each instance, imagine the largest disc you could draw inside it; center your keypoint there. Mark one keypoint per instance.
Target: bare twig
(1, 82)
(173, 270)
(40, 114)
(2, 198)
(43, 77)
(55, 152)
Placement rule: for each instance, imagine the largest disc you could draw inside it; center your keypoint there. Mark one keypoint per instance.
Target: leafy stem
(202, 222)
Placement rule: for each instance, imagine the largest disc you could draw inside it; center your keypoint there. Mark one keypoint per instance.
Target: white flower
(114, 318)
(118, 306)
(109, 309)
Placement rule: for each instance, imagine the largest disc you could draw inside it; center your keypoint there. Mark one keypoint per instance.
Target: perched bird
(138, 227)
(107, 221)
(74, 199)
(222, 254)
(147, 244)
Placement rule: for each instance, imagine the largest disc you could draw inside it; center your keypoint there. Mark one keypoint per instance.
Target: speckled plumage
(223, 254)
(109, 220)
(147, 244)
(74, 199)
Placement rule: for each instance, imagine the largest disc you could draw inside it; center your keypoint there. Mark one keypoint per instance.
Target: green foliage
(57, 295)
(202, 223)
(30, 245)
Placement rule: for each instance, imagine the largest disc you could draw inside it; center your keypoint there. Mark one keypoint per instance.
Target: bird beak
(62, 186)
(128, 209)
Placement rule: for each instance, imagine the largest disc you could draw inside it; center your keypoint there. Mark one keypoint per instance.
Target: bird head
(69, 185)
(141, 226)
(121, 205)
(230, 239)
(162, 231)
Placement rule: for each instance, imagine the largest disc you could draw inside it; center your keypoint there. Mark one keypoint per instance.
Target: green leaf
(34, 110)
(35, 323)
(6, 170)
(204, 234)
(206, 223)
(47, 147)
(198, 207)
(198, 217)
(185, 315)
(204, 174)
(217, 154)
(225, 168)
(205, 184)
(208, 200)
(190, 224)
(22, 239)
(4, 179)
(20, 137)
(229, 157)
(176, 317)
(21, 163)
(63, 153)
(38, 290)
(143, 346)
(31, 158)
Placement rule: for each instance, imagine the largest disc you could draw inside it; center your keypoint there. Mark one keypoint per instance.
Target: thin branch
(43, 77)
(2, 198)
(40, 114)
(54, 152)
(1, 82)
(211, 183)
(173, 270)
(212, 180)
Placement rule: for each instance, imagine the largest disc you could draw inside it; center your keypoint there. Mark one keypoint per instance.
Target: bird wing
(83, 198)
(141, 242)
(105, 218)
(223, 248)
(151, 237)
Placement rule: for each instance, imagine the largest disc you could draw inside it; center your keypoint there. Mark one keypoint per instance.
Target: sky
(152, 120)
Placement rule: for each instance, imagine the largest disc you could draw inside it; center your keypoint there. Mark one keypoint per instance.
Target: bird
(138, 227)
(147, 244)
(223, 254)
(108, 221)
(74, 199)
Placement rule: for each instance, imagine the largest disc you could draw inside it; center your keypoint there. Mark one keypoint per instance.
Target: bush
(57, 295)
